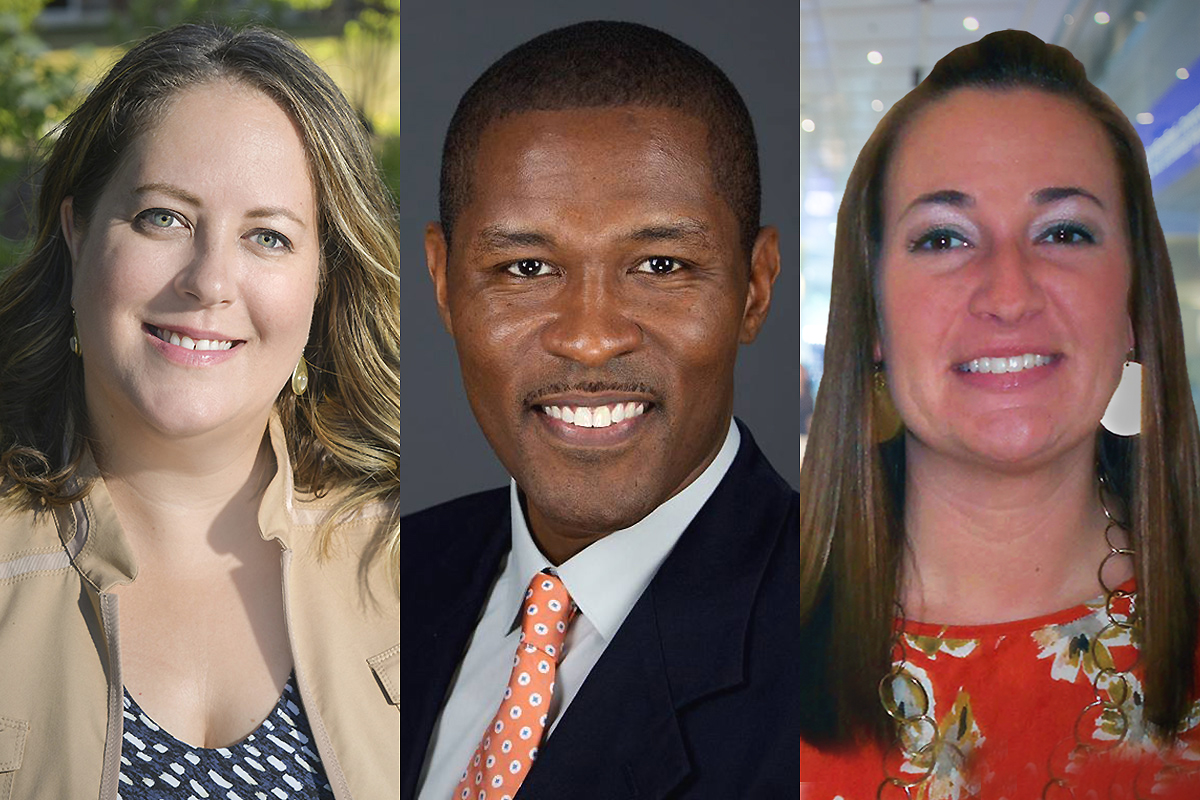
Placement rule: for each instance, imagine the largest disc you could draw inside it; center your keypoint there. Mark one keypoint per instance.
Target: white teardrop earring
(1124, 413)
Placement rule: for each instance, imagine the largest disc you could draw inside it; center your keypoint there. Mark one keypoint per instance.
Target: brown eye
(939, 240)
(659, 265)
(1067, 233)
(529, 268)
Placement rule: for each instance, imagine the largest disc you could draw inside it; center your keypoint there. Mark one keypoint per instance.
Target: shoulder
(469, 511)
(26, 533)
(473, 528)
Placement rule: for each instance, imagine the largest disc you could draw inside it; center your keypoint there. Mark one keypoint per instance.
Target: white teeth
(191, 344)
(1002, 365)
(596, 416)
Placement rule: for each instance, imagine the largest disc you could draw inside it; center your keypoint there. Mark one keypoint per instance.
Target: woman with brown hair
(199, 440)
(1009, 590)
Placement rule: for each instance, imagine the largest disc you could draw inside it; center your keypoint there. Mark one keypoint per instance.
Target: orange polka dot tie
(510, 743)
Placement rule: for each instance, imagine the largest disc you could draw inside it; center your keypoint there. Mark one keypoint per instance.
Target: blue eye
(938, 240)
(159, 218)
(1069, 233)
(528, 268)
(271, 240)
(660, 265)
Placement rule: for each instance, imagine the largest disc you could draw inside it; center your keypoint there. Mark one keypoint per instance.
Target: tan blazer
(61, 720)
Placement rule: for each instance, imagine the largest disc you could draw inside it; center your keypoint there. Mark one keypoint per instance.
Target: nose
(208, 278)
(591, 323)
(1008, 290)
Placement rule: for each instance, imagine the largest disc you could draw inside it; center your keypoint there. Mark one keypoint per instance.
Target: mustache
(589, 387)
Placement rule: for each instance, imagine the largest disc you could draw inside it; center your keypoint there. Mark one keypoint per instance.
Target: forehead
(204, 133)
(592, 169)
(997, 141)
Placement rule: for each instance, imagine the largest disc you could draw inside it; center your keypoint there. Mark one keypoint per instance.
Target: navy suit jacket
(703, 692)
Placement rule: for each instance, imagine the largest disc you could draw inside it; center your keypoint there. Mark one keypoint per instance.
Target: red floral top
(1020, 710)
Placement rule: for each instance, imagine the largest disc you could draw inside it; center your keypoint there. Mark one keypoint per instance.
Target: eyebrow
(942, 197)
(263, 212)
(1055, 193)
(957, 199)
(686, 231)
(494, 238)
(497, 238)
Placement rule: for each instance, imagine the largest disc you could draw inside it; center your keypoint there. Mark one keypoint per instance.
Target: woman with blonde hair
(1002, 513)
(199, 440)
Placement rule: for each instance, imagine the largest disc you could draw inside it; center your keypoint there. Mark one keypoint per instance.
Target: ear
(72, 233)
(764, 269)
(436, 254)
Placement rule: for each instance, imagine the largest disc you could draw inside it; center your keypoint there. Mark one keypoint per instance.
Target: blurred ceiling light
(1145, 118)
(1101, 17)
(877, 105)
(819, 203)
(971, 24)
(1182, 73)
(808, 125)
(875, 57)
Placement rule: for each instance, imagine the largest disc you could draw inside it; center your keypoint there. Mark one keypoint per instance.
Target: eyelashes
(941, 239)
(536, 268)
(156, 220)
(938, 240)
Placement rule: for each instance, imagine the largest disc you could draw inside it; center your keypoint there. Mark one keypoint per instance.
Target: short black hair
(606, 64)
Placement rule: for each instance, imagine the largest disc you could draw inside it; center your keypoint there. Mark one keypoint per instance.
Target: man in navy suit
(598, 262)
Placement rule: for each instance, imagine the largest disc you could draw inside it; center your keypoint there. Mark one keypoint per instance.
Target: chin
(1014, 443)
(582, 506)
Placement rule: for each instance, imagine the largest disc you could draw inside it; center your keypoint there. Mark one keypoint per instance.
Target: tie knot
(545, 615)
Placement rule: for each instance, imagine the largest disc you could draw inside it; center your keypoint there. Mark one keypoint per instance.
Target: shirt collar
(606, 578)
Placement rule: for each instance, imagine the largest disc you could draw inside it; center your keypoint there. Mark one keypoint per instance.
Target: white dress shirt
(605, 579)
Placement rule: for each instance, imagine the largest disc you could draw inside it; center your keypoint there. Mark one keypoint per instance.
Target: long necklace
(919, 741)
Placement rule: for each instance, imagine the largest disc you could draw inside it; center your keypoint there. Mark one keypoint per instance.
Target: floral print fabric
(1049, 707)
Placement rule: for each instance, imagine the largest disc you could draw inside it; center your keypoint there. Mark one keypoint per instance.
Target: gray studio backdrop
(444, 46)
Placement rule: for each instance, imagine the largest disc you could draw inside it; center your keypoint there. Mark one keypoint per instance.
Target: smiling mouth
(595, 416)
(187, 342)
(1005, 364)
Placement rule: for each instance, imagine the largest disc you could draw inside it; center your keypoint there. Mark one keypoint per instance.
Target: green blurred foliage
(145, 14)
(371, 44)
(34, 94)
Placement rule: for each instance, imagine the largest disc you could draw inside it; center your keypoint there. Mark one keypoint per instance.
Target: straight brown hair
(853, 489)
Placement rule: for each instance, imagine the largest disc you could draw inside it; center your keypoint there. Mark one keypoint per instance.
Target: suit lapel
(684, 640)
(440, 606)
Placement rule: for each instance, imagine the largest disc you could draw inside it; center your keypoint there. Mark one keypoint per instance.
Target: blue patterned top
(278, 761)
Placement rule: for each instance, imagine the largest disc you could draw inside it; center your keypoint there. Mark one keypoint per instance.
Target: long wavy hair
(343, 435)
(852, 527)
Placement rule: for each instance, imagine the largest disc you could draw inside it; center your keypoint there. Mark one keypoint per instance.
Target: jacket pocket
(386, 667)
(12, 751)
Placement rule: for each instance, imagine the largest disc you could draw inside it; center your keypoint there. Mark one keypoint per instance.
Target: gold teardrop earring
(300, 377)
(73, 342)
(886, 419)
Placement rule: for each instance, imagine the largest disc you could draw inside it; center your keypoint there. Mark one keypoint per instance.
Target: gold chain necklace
(919, 740)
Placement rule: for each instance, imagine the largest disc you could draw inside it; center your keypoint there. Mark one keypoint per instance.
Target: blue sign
(1172, 140)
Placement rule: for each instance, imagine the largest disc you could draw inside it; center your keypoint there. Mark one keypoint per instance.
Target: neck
(985, 546)
(176, 494)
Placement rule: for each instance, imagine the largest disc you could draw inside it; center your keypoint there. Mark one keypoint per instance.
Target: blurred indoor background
(858, 57)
